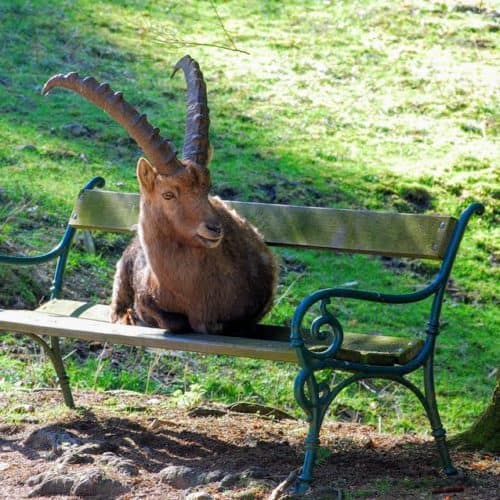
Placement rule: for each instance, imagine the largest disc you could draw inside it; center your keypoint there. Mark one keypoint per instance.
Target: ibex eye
(168, 195)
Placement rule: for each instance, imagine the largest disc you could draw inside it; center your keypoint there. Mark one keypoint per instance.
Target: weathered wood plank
(106, 210)
(363, 231)
(40, 323)
(361, 348)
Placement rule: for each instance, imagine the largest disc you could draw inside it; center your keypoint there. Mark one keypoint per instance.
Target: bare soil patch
(123, 443)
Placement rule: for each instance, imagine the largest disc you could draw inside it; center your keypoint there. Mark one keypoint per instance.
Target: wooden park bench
(315, 341)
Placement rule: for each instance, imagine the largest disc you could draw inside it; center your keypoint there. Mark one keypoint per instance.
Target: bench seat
(84, 320)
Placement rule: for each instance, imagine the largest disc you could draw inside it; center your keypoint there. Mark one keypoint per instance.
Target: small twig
(40, 389)
(160, 382)
(100, 364)
(70, 354)
(184, 43)
(281, 489)
(371, 387)
(459, 488)
(172, 39)
(289, 287)
(229, 37)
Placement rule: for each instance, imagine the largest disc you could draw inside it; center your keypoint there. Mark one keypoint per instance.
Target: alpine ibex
(195, 263)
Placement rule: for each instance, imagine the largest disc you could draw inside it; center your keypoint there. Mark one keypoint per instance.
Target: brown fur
(196, 264)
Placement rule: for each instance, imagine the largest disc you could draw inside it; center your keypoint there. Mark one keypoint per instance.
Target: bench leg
(62, 376)
(435, 420)
(315, 406)
(311, 449)
(54, 353)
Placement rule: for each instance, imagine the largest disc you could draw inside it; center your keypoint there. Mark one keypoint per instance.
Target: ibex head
(181, 201)
(177, 189)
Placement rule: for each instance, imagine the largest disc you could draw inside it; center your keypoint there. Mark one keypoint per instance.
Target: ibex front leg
(151, 314)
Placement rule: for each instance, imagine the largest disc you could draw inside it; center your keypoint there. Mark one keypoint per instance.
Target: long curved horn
(159, 151)
(196, 141)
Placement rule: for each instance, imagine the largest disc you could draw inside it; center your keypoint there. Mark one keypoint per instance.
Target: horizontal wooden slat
(105, 210)
(40, 323)
(363, 231)
(265, 342)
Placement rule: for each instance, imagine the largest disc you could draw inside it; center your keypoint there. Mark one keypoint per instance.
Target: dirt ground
(131, 446)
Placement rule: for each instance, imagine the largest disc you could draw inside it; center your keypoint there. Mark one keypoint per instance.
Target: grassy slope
(349, 104)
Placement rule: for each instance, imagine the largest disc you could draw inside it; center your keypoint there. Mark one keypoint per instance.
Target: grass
(377, 105)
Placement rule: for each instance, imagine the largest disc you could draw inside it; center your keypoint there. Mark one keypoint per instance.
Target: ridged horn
(196, 142)
(159, 151)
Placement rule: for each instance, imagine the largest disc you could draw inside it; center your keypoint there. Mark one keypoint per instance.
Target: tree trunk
(485, 432)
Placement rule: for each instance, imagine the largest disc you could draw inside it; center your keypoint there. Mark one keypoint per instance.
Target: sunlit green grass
(349, 103)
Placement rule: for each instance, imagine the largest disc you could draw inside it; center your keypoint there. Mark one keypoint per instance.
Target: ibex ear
(146, 174)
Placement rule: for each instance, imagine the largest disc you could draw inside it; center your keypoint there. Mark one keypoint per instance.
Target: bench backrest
(359, 231)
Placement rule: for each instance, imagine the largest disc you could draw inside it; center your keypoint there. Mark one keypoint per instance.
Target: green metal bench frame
(320, 345)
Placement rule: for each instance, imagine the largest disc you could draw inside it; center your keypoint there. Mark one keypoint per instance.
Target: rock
(180, 476)
(254, 472)
(23, 409)
(93, 483)
(120, 464)
(79, 454)
(90, 448)
(77, 130)
(365, 442)
(49, 484)
(203, 411)
(262, 410)
(213, 476)
(90, 483)
(34, 480)
(199, 495)
(75, 456)
(51, 439)
(229, 480)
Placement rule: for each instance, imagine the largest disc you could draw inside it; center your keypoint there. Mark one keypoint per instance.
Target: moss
(484, 434)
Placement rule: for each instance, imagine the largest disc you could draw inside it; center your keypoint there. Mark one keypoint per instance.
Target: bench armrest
(335, 334)
(325, 330)
(56, 252)
(321, 344)
(59, 249)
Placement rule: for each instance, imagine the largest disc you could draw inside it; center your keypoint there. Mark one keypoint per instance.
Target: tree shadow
(351, 460)
(150, 450)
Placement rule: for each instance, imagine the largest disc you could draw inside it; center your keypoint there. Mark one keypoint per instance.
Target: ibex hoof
(127, 318)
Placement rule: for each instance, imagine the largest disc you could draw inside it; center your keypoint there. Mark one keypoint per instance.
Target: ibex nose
(210, 233)
(215, 228)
